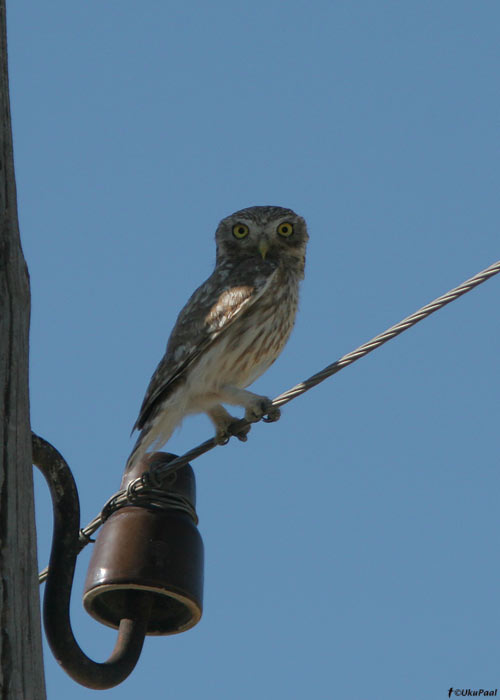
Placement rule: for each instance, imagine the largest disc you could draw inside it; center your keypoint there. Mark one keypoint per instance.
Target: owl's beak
(263, 247)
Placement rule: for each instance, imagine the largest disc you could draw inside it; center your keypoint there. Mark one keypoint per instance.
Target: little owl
(231, 330)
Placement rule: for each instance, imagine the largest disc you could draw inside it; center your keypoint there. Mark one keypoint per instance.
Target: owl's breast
(249, 345)
(254, 341)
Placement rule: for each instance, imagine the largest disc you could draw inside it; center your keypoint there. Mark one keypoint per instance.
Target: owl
(231, 330)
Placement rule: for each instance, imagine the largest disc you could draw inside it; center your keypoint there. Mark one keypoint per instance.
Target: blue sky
(351, 548)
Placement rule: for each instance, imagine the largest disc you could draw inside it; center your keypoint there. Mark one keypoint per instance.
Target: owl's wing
(214, 306)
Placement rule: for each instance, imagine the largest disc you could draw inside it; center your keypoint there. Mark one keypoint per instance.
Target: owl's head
(270, 233)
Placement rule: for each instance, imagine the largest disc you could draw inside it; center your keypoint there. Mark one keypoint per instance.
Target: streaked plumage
(232, 328)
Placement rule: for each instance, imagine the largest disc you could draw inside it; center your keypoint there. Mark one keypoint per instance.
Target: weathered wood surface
(21, 663)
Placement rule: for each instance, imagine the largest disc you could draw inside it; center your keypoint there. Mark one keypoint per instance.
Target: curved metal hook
(65, 548)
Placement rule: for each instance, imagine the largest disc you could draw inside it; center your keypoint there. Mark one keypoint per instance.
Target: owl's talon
(262, 409)
(240, 433)
(222, 438)
(273, 414)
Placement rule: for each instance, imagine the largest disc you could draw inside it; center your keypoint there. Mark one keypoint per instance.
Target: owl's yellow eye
(285, 229)
(240, 230)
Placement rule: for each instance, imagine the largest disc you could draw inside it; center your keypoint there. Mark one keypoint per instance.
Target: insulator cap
(160, 551)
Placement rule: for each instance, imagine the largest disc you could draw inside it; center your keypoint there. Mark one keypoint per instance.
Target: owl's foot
(273, 414)
(261, 408)
(256, 407)
(234, 428)
(226, 426)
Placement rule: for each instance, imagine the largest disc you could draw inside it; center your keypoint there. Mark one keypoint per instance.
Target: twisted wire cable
(143, 482)
(390, 333)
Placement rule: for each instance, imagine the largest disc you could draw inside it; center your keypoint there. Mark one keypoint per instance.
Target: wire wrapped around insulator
(56, 617)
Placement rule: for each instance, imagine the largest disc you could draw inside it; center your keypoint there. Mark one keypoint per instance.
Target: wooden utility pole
(21, 663)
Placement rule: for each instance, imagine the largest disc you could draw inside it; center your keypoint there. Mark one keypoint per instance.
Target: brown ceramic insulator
(159, 551)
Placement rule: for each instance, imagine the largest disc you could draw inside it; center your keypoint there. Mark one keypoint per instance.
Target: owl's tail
(153, 436)
(137, 453)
